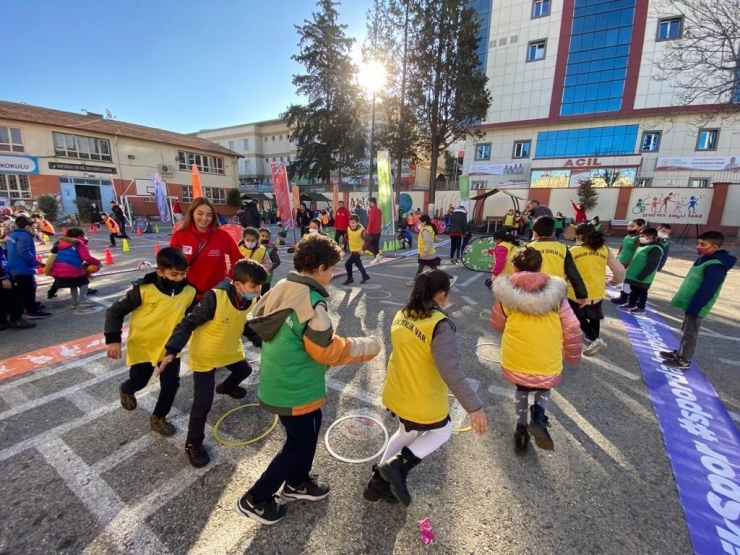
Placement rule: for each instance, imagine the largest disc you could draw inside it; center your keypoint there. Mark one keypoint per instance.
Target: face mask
(170, 284)
(644, 240)
(312, 230)
(662, 235)
(632, 231)
(250, 244)
(249, 296)
(264, 241)
(703, 251)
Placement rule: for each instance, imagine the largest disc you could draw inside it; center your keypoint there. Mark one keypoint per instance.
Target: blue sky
(181, 65)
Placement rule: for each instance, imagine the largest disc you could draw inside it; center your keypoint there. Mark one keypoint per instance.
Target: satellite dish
(108, 114)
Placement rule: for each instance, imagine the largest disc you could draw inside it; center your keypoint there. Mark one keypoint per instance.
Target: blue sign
(18, 164)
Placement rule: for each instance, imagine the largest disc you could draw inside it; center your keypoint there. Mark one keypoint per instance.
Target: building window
(670, 28)
(521, 149)
(273, 137)
(698, 182)
(479, 184)
(540, 8)
(215, 194)
(187, 194)
(267, 160)
(707, 139)
(644, 182)
(483, 152)
(650, 141)
(593, 141)
(281, 137)
(11, 139)
(536, 50)
(84, 148)
(246, 144)
(288, 159)
(14, 186)
(274, 159)
(247, 166)
(231, 145)
(265, 139)
(281, 159)
(206, 164)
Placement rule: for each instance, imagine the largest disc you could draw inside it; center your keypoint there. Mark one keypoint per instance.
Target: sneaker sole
(593, 351)
(374, 496)
(126, 406)
(256, 517)
(302, 496)
(541, 437)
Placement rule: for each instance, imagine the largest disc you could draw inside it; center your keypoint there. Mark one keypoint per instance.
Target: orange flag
(197, 189)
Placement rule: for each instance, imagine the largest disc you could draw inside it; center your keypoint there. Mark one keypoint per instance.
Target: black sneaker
(637, 311)
(128, 401)
(668, 355)
(197, 454)
(21, 324)
(161, 426)
(365, 279)
(348, 281)
(267, 512)
(237, 393)
(538, 428)
(521, 437)
(678, 362)
(310, 490)
(91, 291)
(50, 295)
(39, 315)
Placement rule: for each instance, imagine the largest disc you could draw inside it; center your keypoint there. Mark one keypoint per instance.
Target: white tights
(420, 444)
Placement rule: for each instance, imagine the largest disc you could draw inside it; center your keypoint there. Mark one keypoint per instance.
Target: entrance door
(68, 197)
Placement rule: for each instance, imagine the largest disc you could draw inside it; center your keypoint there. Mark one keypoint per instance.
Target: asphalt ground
(81, 475)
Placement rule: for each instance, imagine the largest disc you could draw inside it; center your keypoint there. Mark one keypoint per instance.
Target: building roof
(98, 124)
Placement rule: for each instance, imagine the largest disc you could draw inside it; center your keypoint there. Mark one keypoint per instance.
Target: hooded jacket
(538, 326)
(702, 285)
(459, 222)
(22, 253)
(72, 254)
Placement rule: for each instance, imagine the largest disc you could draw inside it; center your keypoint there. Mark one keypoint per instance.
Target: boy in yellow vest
(252, 249)
(156, 304)
(356, 238)
(216, 324)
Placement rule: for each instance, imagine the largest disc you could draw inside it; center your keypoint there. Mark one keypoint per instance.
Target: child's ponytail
(426, 220)
(426, 286)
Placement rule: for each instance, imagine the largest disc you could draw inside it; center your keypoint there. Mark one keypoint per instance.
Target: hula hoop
(481, 356)
(383, 295)
(227, 443)
(464, 428)
(487, 314)
(355, 461)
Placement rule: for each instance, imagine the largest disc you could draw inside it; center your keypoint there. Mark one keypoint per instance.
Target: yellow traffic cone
(126, 248)
(156, 228)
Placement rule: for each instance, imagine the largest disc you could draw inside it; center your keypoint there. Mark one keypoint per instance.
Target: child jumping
(70, 266)
(424, 363)
(356, 237)
(539, 330)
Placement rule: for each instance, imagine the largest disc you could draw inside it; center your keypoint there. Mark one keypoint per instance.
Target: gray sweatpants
(690, 327)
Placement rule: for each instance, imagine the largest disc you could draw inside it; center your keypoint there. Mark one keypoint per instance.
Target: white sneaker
(377, 259)
(453, 281)
(594, 347)
(410, 282)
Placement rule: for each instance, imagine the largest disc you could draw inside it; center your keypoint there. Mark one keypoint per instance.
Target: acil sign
(581, 162)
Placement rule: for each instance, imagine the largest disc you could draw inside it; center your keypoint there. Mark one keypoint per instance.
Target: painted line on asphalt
(394, 303)
(612, 368)
(471, 279)
(730, 362)
(458, 414)
(469, 300)
(54, 369)
(502, 391)
(405, 278)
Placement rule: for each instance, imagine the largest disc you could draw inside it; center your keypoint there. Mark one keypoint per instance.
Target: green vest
(629, 245)
(691, 284)
(289, 377)
(638, 264)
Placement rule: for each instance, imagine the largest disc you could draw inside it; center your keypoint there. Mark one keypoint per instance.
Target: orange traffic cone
(108, 257)
(138, 232)
(40, 269)
(94, 229)
(156, 249)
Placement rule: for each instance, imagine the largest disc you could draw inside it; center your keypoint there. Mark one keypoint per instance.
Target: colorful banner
(385, 192)
(160, 196)
(496, 169)
(701, 440)
(671, 205)
(282, 193)
(698, 163)
(335, 197)
(195, 177)
(464, 188)
(18, 164)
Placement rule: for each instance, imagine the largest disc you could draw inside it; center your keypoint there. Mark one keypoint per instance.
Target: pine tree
(588, 196)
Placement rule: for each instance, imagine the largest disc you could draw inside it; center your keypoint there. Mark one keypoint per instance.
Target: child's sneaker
(625, 306)
(538, 428)
(595, 346)
(668, 355)
(637, 311)
(348, 281)
(521, 437)
(161, 426)
(237, 393)
(678, 362)
(310, 490)
(365, 279)
(267, 512)
(197, 454)
(128, 400)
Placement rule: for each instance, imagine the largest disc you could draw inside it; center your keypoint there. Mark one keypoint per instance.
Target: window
(274, 159)
(246, 144)
(698, 182)
(85, 148)
(521, 149)
(14, 186)
(187, 194)
(483, 152)
(281, 137)
(265, 139)
(231, 145)
(267, 160)
(593, 141)
(206, 164)
(281, 159)
(273, 137)
(707, 139)
(644, 182)
(540, 8)
(215, 194)
(11, 139)
(536, 50)
(479, 184)
(650, 141)
(247, 166)
(670, 28)
(289, 159)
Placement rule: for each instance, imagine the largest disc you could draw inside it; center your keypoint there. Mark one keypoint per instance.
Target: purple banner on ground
(702, 442)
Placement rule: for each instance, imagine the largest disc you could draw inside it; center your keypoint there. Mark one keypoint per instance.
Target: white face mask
(312, 230)
(662, 235)
(250, 244)
(644, 240)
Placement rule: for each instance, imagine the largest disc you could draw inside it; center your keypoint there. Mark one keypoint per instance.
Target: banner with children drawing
(671, 205)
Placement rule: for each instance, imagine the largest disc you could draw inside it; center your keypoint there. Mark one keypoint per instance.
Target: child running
(156, 303)
(112, 226)
(299, 345)
(356, 237)
(70, 266)
(424, 363)
(216, 324)
(265, 241)
(539, 330)
(592, 257)
(641, 271)
(698, 293)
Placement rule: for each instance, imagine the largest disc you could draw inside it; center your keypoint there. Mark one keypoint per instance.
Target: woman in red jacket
(205, 246)
(580, 213)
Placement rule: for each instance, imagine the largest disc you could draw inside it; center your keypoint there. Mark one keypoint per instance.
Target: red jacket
(341, 219)
(374, 220)
(209, 267)
(580, 213)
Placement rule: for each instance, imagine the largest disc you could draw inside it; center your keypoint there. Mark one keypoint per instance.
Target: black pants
(590, 327)
(113, 238)
(340, 238)
(430, 263)
(354, 259)
(10, 304)
(638, 296)
(203, 389)
(294, 461)
(25, 287)
(122, 227)
(455, 244)
(375, 243)
(169, 382)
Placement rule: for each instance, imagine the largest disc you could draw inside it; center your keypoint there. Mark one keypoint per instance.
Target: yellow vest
(257, 254)
(518, 351)
(423, 243)
(153, 322)
(509, 220)
(355, 239)
(512, 249)
(553, 257)
(219, 341)
(592, 266)
(413, 389)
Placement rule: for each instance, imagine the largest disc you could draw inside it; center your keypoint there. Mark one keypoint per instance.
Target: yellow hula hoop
(459, 430)
(227, 443)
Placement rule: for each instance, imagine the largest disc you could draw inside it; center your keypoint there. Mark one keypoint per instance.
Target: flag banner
(282, 193)
(296, 196)
(464, 187)
(160, 197)
(335, 197)
(197, 189)
(385, 191)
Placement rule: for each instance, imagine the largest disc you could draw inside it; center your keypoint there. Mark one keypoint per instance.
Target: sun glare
(372, 76)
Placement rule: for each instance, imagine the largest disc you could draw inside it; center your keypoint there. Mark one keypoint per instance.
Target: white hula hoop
(356, 461)
(485, 345)
(379, 295)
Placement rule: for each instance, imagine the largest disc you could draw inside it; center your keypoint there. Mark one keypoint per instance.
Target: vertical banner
(160, 196)
(465, 191)
(282, 193)
(197, 188)
(385, 192)
(335, 197)
(296, 197)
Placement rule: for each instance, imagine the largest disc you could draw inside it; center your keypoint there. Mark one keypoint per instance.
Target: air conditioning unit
(165, 168)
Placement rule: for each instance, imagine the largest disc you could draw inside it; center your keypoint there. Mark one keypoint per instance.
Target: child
(506, 248)
(559, 225)
(314, 226)
(592, 256)
(641, 271)
(112, 226)
(299, 345)
(356, 237)
(539, 330)
(521, 222)
(664, 240)
(424, 363)
(405, 237)
(272, 252)
(510, 221)
(11, 311)
(157, 302)
(629, 245)
(43, 228)
(427, 252)
(698, 293)
(22, 264)
(251, 248)
(71, 263)
(216, 324)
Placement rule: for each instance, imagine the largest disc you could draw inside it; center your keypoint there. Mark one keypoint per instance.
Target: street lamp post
(372, 148)
(372, 79)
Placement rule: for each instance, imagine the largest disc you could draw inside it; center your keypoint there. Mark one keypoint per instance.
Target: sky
(180, 65)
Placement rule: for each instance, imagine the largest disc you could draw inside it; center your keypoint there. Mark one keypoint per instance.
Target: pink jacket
(72, 257)
(500, 252)
(534, 294)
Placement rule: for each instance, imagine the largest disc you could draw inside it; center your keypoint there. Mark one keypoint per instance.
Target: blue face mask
(249, 296)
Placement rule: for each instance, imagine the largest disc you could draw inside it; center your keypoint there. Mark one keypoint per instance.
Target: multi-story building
(68, 155)
(576, 97)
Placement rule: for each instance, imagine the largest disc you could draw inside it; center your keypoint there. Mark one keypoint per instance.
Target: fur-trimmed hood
(530, 292)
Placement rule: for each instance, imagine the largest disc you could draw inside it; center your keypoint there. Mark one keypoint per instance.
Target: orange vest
(112, 225)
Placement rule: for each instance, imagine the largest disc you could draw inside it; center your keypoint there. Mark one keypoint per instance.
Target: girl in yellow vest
(592, 257)
(427, 253)
(539, 330)
(252, 249)
(506, 247)
(424, 364)
(216, 324)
